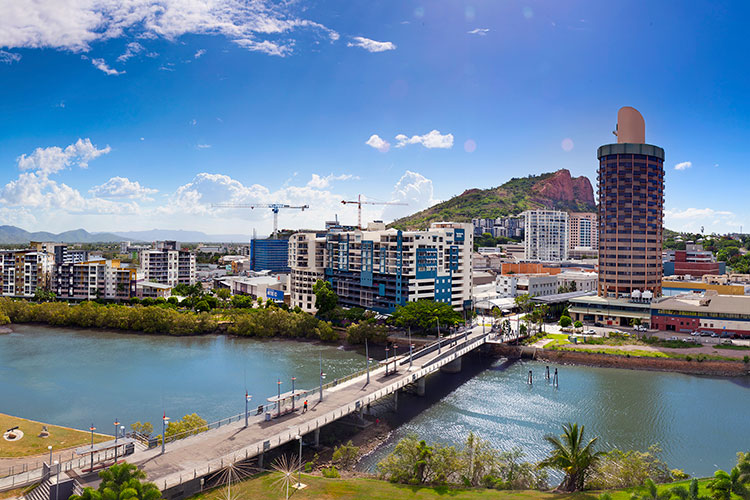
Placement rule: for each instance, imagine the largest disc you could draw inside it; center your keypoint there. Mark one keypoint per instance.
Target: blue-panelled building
(272, 255)
(380, 269)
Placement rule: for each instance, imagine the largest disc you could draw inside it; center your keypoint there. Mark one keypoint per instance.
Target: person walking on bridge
(304, 408)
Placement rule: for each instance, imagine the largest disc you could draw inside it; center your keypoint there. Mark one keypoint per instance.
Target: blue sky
(139, 114)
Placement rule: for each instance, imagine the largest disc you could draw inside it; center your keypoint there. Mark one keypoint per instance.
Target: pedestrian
(304, 409)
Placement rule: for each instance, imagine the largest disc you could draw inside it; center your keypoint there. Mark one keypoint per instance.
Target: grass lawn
(319, 488)
(32, 444)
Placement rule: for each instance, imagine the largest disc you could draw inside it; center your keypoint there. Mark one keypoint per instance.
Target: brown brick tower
(631, 210)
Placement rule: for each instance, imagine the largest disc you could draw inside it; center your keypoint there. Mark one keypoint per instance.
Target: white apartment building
(23, 271)
(379, 268)
(546, 235)
(168, 265)
(584, 281)
(103, 279)
(583, 231)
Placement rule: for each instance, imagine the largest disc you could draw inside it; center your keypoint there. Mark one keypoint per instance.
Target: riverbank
(267, 486)
(628, 361)
(33, 444)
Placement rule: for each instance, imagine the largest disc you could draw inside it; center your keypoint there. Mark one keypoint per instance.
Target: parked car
(673, 338)
(715, 335)
(596, 323)
(589, 332)
(727, 342)
(703, 333)
(695, 333)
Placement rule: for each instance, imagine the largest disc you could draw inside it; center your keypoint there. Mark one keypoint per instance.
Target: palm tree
(652, 492)
(88, 494)
(121, 482)
(724, 484)
(570, 456)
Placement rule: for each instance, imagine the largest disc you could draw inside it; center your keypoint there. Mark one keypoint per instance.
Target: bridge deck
(198, 455)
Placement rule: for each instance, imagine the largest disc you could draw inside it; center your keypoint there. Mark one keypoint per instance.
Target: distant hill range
(184, 236)
(556, 190)
(12, 235)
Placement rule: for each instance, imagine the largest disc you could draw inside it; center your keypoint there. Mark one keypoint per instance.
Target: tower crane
(275, 207)
(359, 204)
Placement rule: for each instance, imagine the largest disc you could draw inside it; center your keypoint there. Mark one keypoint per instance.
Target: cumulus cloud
(9, 57)
(433, 139)
(414, 189)
(199, 53)
(122, 187)
(320, 182)
(34, 188)
(132, 49)
(479, 31)
(371, 45)
(77, 24)
(101, 65)
(691, 219)
(375, 141)
(683, 165)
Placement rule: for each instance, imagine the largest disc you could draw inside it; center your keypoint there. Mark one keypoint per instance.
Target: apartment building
(546, 235)
(168, 264)
(23, 271)
(94, 279)
(379, 268)
(693, 261)
(583, 231)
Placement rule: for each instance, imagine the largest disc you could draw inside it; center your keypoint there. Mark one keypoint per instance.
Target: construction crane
(275, 207)
(359, 204)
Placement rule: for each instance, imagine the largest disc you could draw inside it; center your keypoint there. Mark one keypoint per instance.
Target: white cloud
(77, 24)
(132, 49)
(320, 182)
(53, 159)
(683, 166)
(371, 45)
(433, 139)
(9, 57)
(122, 187)
(193, 122)
(413, 188)
(375, 141)
(199, 53)
(691, 219)
(479, 31)
(203, 146)
(34, 188)
(101, 65)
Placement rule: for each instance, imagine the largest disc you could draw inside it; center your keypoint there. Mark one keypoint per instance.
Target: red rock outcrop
(562, 187)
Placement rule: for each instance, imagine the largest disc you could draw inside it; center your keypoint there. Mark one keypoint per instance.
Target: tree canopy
(425, 314)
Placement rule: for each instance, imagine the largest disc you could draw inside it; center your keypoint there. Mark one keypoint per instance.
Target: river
(76, 377)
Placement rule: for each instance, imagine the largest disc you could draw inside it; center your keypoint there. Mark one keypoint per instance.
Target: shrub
(746, 359)
(578, 324)
(565, 321)
(331, 473)
(346, 455)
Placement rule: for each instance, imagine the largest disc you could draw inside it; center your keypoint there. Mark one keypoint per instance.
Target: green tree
(223, 293)
(565, 321)
(570, 456)
(425, 315)
(690, 493)
(325, 298)
(121, 482)
(367, 329)
(345, 456)
(202, 306)
(724, 484)
(578, 324)
(144, 428)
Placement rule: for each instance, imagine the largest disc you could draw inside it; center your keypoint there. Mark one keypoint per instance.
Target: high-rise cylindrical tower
(631, 210)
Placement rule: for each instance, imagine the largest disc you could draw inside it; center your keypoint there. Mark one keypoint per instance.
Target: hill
(12, 235)
(555, 190)
(183, 236)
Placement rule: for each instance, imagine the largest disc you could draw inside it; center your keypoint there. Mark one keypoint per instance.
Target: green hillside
(512, 198)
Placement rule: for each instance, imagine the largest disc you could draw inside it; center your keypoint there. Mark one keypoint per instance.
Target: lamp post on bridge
(50, 454)
(248, 397)
(293, 379)
(395, 362)
(92, 429)
(117, 424)
(440, 340)
(411, 348)
(322, 376)
(164, 422)
(386, 359)
(278, 398)
(367, 362)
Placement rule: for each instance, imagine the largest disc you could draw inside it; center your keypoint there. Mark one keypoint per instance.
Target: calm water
(700, 422)
(76, 377)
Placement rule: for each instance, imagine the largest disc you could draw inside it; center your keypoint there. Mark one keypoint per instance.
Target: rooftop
(728, 304)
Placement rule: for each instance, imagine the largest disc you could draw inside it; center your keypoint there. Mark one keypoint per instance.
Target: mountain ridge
(553, 190)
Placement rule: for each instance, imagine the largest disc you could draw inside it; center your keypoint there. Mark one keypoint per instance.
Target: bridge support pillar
(260, 460)
(317, 437)
(395, 401)
(452, 367)
(420, 386)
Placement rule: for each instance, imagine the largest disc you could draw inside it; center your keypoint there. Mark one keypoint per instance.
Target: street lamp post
(299, 477)
(411, 347)
(395, 363)
(440, 343)
(50, 454)
(57, 485)
(278, 399)
(164, 421)
(386, 359)
(248, 397)
(367, 363)
(322, 376)
(92, 429)
(117, 424)
(293, 379)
